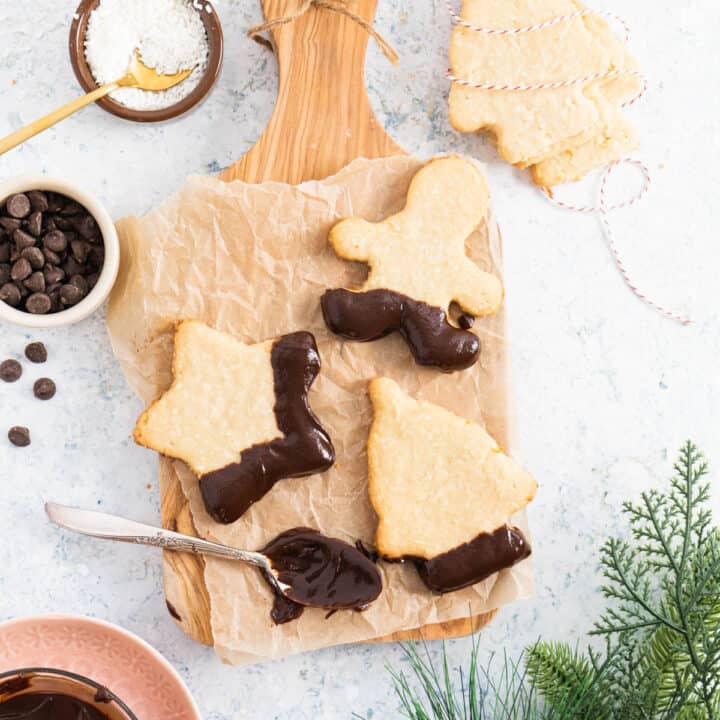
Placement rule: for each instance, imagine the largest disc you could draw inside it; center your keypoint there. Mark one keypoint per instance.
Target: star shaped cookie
(418, 267)
(238, 415)
(439, 482)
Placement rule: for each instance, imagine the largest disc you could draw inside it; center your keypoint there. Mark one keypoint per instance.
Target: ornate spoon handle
(113, 527)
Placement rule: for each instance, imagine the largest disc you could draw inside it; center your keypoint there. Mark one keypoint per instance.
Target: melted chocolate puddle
(48, 706)
(474, 561)
(304, 449)
(373, 314)
(320, 572)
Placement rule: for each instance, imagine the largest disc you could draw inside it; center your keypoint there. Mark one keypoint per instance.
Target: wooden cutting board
(322, 121)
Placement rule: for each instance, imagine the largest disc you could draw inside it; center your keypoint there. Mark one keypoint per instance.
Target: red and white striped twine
(603, 209)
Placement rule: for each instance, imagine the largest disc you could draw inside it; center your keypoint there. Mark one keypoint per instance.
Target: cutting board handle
(322, 118)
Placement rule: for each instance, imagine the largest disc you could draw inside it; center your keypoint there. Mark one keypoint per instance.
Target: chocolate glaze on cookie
(373, 314)
(304, 449)
(474, 561)
(320, 572)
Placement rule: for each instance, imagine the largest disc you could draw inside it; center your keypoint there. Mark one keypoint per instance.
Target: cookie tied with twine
(338, 6)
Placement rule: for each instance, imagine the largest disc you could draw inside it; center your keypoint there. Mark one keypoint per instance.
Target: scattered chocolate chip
(36, 282)
(466, 321)
(34, 256)
(20, 269)
(9, 223)
(18, 206)
(38, 304)
(55, 240)
(23, 239)
(19, 436)
(36, 352)
(10, 294)
(44, 389)
(38, 200)
(34, 224)
(71, 294)
(10, 370)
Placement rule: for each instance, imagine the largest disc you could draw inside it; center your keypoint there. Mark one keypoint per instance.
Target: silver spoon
(113, 527)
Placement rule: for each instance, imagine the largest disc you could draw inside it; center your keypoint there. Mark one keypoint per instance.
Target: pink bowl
(107, 654)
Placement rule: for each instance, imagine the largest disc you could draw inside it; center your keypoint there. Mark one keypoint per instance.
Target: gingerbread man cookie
(443, 491)
(562, 132)
(238, 415)
(418, 267)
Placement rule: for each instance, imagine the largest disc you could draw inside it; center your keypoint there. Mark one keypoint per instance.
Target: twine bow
(338, 6)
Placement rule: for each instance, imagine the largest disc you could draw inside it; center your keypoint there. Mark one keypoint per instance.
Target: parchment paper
(254, 260)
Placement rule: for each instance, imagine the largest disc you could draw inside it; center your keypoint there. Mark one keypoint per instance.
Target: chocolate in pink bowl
(50, 694)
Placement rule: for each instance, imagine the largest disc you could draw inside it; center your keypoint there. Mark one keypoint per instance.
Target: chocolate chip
(80, 282)
(4, 251)
(23, 239)
(36, 352)
(72, 208)
(18, 206)
(10, 294)
(70, 294)
(64, 223)
(53, 275)
(20, 270)
(96, 258)
(36, 282)
(38, 304)
(38, 200)
(86, 226)
(466, 321)
(10, 370)
(92, 280)
(4, 273)
(56, 202)
(54, 295)
(51, 256)
(34, 256)
(44, 389)
(55, 241)
(34, 224)
(72, 267)
(19, 436)
(48, 223)
(9, 223)
(79, 249)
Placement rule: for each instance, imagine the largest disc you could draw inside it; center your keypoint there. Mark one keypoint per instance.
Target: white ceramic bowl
(92, 301)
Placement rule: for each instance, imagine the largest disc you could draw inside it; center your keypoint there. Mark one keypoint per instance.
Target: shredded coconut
(169, 34)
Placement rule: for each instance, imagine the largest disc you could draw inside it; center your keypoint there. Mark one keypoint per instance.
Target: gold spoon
(138, 76)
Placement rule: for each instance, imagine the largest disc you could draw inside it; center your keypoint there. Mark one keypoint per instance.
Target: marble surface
(605, 389)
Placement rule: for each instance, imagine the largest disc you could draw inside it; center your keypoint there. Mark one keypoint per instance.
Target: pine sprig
(661, 629)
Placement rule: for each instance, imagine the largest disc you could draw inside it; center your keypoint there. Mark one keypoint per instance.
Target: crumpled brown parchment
(253, 260)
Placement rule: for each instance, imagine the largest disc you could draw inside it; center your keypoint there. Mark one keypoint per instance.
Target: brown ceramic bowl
(85, 77)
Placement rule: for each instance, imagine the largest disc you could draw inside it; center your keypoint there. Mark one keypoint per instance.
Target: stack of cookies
(560, 133)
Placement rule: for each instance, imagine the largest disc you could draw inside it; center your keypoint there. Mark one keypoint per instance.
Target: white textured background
(606, 390)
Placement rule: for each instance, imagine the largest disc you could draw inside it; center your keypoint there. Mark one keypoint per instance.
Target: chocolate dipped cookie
(238, 415)
(443, 491)
(418, 268)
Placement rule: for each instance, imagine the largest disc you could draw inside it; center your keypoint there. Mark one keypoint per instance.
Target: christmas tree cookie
(443, 491)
